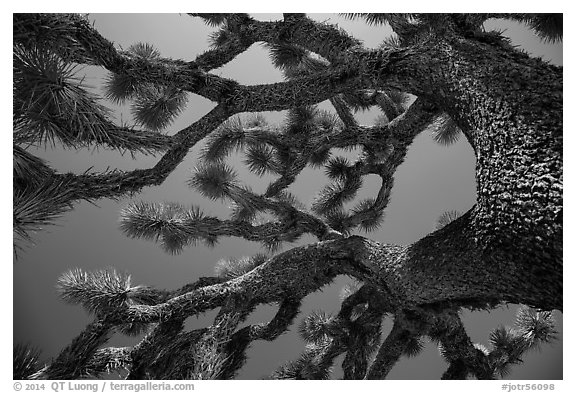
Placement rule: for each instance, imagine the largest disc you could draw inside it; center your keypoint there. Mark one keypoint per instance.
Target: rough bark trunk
(510, 108)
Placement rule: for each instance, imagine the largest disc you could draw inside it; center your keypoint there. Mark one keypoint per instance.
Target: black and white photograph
(290, 196)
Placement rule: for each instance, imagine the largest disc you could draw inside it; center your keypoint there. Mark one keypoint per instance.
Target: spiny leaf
(338, 220)
(260, 159)
(229, 137)
(319, 157)
(338, 167)
(144, 50)
(482, 349)
(51, 103)
(35, 207)
(327, 121)
(446, 218)
(210, 240)
(147, 220)
(120, 87)
(175, 237)
(242, 213)
(359, 100)
(503, 338)
(272, 244)
(97, 291)
(370, 217)
(256, 120)
(156, 107)
(213, 180)
(28, 168)
(221, 37)
(398, 97)
(391, 42)
(508, 346)
(334, 195)
(235, 267)
(308, 67)
(549, 27)
(134, 329)
(414, 347)
(535, 326)
(213, 19)
(170, 223)
(291, 199)
(315, 327)
(371, 19)
(301, 119)
(24, 361)
(445, 131)
(285, 56)
(245, 197)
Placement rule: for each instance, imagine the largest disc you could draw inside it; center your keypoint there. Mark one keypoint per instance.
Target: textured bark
(389, 353)
(510, 107)
(507, 248)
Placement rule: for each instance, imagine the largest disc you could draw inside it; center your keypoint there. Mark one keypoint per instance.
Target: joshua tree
(443, 71)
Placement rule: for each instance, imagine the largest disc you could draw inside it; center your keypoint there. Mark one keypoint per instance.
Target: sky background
(433, 179)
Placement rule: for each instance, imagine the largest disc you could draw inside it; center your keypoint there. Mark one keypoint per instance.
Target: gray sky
(432, 180)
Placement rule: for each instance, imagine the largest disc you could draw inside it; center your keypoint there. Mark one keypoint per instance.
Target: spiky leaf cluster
(508, 347)
(319, 157)
(369, 218)
(535, 326)
(213, 19)
(334, 195)
(209, 361)
(370, 18)
(338, 167)
(55, 32)
(447, 217)
(548, 27)
(153, 106)
(315, 363)
(445, 131)
(104, 290)
(285, 56)
(227, 34)
(339, 220)
(156, 107)
(294, 60)
(316, 327)
(35, 207)
(51, 104)
(290, 200)
(96, 291)
(171, 224)
(235, 267)
(301, 120)
(359, 100)
(234, 135)
(24, 361)
(261, 159)
(532, 328)
(120, 87)
(214, 181)
(413, 347)
(28, 169)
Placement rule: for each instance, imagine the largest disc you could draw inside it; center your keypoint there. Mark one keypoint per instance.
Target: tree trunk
(510, 108)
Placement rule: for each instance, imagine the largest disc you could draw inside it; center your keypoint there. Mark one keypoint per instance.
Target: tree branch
(458, 349)
(73, 359)
(390, 351)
